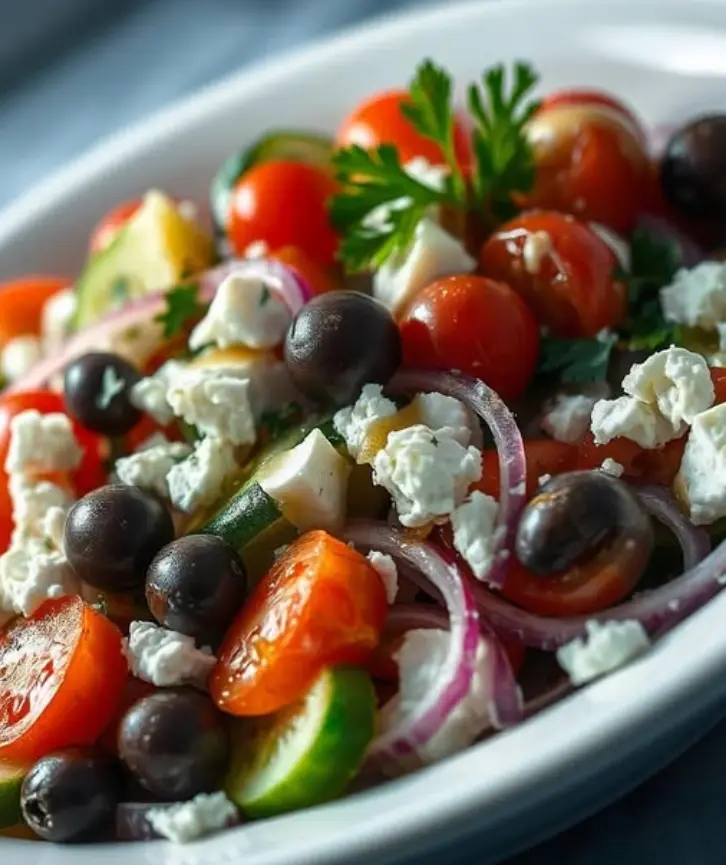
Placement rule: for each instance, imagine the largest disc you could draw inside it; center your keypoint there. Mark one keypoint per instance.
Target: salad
(418, 429)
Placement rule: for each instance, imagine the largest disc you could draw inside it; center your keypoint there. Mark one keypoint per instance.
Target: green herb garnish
(577, 360)
(276, 423)
(182, 307)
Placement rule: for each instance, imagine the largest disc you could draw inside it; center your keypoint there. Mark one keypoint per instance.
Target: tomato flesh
(23, 301)
(544, 457)
(641, 465)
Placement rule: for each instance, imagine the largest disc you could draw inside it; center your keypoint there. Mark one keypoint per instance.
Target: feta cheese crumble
(42, 443)
(700, 480)
(245, 311)
(199, 479)
(354, 422)
(202, 815)
(165, 658)
(632, 419)
(611, 467)
(387, 571)
(149, 467)
(56, 319)
(697, 296)
(537, 246)
(475, 536)
(30, 573)
(427, 473)
(437, 412)
(19, 355)
(215, 403)
(32, 501)
(606, 646)
(149, 394)
(567, 418)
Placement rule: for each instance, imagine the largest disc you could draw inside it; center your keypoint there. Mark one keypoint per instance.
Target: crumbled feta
(42, 443)
(544, 479)
(165, 658)
(354, 422)
(199, 479)
(245, 311)
(426, 473)
(537, 246)
(611, 467)
(606, 646)
(433, 254)
(32, 501)
(30, 573)
(215, 403)
(567, 418)
(148, 468)
(475, 536)
(387, 571)
(202, 815)
(437, 411)
(149, 394)
(20, 355)
(619, 248)
(56, 318)
(697, 296)
(53, 525)
(675, 380)
(632, 419)
(310, 483)
(701, 476)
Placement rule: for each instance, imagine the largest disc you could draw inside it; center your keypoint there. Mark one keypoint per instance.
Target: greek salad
(409, 433)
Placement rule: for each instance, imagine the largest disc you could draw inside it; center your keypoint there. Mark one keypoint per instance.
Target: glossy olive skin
(70, 795)
(175, 744)
(195, 586)
(693, 169)
(112, 534)
(572, 517)
(340, 341)
(96, 389)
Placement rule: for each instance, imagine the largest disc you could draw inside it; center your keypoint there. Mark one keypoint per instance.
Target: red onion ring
(407, 617)
(292, 288)
(695, 542)
(490, 407)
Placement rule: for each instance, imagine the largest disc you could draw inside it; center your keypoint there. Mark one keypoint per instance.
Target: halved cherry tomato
(379, 120)
(544, 457)
(317, 277)
(322, 603)
(656, 466)
(476, 325)
(561, 268)
(590, 162)
(111, 223)
(599, 99)
(22, 301)
(283, 204)
(134, 690)
(62, 673)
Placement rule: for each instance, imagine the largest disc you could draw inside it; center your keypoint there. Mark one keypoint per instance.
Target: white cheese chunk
(199, 479)
(31, 573)
(607, 646)
(354, 422)
(57, 318)
(427, 473)
(245, 311)
(475, 535)
(215, 403)
(697, 296)
(186, 821)
(42, 443)
(702, 476)
(310, 484)
(165, 658)
(632, 419)
(54, 523)
(32, 501)
(149, 394)
(19, 355)
(437, 411)
(149, 467)
(567, 418)
(611, 467)
(387, 571)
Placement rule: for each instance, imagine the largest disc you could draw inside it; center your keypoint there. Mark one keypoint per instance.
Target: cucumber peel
(307, 754)
(11, 780)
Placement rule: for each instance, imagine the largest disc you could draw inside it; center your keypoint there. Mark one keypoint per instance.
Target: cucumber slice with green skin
(11, 780)
(288, 145)
(307, 754)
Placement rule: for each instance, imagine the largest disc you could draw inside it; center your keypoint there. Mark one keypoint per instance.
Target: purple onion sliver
(695, 542)
(490, 407)
(506, 698)
(407, 617)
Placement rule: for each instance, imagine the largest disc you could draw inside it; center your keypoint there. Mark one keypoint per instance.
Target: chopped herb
(278, 422)
(120, 290)
(577, 360)
(182, 307)
(100, 605)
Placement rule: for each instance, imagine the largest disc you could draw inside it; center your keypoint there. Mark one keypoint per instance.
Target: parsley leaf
(182, 306)
(278, 422)
(577, 360)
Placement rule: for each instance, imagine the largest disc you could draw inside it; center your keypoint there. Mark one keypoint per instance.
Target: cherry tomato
(561, 268)
(22, 303)
(658, 466)
(475, 325)
(544, 457)
(598, 99)
(379, 120)
(283, 204)
(62, 673)
(111, 223)
(322, 603)
(319, 280)
(590, 162)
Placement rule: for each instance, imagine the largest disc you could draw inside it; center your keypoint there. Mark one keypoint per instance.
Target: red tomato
(596, 98)
(62, 673)
(544, 457)
(22, 303)
(561, 268)
(109, 226)
(658, 466)
(283, 204)
(322, 603)
(318, 278)
(718, 377)
(590, 162)
(379, 120)
(475, 325)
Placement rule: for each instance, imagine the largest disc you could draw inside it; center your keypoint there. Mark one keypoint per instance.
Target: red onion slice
(490, 407)
(695, 542)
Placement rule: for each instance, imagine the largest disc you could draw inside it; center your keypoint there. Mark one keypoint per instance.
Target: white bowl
(669, 59)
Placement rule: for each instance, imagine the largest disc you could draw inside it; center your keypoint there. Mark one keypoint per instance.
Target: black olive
(573, 516)
(340, 341)
(96, 388)
(112, 534)
(693, 169)
(175, 744)
(196, 586)
(70, 795)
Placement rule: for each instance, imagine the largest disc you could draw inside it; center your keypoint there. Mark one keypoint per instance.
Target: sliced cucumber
(307, 754)
(293, 146)
(11, 780)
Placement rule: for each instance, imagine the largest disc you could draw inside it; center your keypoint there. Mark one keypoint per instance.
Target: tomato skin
(659, 466)
(110, 224)
(544, 457)
(66, 668)
(476, 325)
(572, 292)
(22, 303)
(718, 377)
(283, 204)
(319, 280)
(598, 99)
(322, 603)
(379, 120)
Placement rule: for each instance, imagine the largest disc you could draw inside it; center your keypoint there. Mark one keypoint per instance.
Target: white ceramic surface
(669, 59)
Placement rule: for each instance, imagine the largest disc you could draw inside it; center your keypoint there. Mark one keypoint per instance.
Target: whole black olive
(340, 341)
(112, 534)
(175, 744)
(195, 586)
(70, 795)
(96, 388)
(574, 515)
(693, 169)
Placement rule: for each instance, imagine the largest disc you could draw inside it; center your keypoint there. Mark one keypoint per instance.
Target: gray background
(72, 71)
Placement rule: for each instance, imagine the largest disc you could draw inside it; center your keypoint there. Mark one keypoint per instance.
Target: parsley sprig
(577, 360)
(182, 308)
